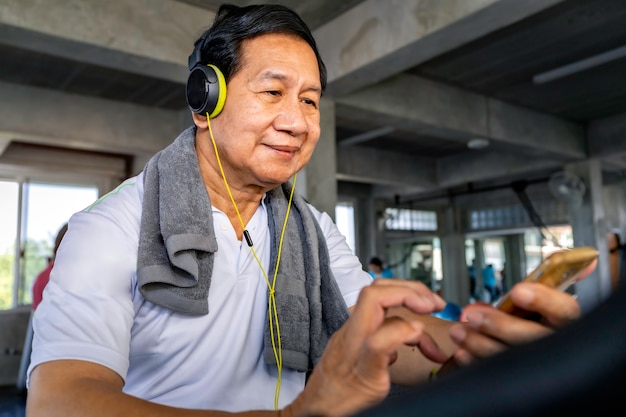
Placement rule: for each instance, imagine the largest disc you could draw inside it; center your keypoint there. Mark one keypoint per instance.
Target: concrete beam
(390, 192)
(369, 165)
(461, 169)
(607, 137)
(91, 54)
(457, 114)
(4, 144)
(81, 122)
(152, 37)
(545, 133)
(380, 38)
(617, 162)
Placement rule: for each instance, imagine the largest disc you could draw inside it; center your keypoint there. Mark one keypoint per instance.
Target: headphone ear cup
(206, 90)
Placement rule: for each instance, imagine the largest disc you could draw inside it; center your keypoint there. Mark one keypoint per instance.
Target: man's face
(375, 268)
(270, 123)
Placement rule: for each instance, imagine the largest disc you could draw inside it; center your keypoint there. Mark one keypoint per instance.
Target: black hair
(376, 261)
(57, 240)
(221, 43)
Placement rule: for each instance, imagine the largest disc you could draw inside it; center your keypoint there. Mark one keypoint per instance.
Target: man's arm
(79, 388)
(353, 372)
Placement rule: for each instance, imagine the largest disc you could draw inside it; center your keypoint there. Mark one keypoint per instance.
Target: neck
(245, 197)
(246, 204)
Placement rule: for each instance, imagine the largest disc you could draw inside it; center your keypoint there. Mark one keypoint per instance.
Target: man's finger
(555, 306)
(381, 346)
(374, 301)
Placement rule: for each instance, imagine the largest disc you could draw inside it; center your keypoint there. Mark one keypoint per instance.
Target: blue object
(387, 273)
(451, 312)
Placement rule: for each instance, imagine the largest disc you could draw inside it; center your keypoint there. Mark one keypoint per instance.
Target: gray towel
(308, 297)
(177, 243)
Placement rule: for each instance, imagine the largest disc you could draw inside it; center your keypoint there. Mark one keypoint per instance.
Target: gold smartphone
(559, 270)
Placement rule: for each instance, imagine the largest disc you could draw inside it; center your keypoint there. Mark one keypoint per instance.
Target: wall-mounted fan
(567, 187)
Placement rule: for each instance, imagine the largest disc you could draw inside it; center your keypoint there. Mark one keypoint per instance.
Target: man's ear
(200, 120)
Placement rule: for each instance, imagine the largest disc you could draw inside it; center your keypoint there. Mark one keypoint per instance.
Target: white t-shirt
(92, 310)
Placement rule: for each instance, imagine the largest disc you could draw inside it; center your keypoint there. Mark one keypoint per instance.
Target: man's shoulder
(120, 207)
(320, 216)
(128, 194)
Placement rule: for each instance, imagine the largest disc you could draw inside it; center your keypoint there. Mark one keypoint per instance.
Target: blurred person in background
(44, 276)
(377, 269)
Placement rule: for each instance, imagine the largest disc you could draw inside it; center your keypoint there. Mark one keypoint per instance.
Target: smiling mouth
(285, 149)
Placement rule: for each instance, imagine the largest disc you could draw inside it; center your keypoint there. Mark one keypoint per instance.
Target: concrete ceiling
(412, 81)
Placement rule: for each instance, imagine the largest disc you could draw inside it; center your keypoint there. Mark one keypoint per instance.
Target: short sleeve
(346, 267)
(87, 311)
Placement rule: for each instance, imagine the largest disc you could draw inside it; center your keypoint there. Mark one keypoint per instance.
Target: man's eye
(273, 92)
(309, 102)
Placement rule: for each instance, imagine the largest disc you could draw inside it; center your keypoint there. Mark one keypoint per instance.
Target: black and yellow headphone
(206, 85)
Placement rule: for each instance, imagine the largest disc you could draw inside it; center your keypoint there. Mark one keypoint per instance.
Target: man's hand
(354, 370)
(488, 331)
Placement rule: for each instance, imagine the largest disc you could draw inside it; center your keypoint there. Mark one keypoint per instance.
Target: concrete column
(515, 260)
(589, 228)
(379, 236)
(455, 283)
(366, 229)
(615, 208)
(479, 264)
(321, 171)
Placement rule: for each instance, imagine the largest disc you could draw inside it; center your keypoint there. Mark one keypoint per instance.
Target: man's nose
(292, 117)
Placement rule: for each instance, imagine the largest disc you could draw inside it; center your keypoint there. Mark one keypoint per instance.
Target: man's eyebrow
(274, 75)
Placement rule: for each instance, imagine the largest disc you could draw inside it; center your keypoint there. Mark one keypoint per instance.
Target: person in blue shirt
(472, 276)
(489, 282)
(377, 269)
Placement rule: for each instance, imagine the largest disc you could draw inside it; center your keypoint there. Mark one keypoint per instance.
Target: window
(344, 219)
(407, 219)
(8, 233)
(31, 214)
(516, 216)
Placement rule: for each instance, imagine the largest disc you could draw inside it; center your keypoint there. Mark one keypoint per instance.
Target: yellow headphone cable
(272, 308)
